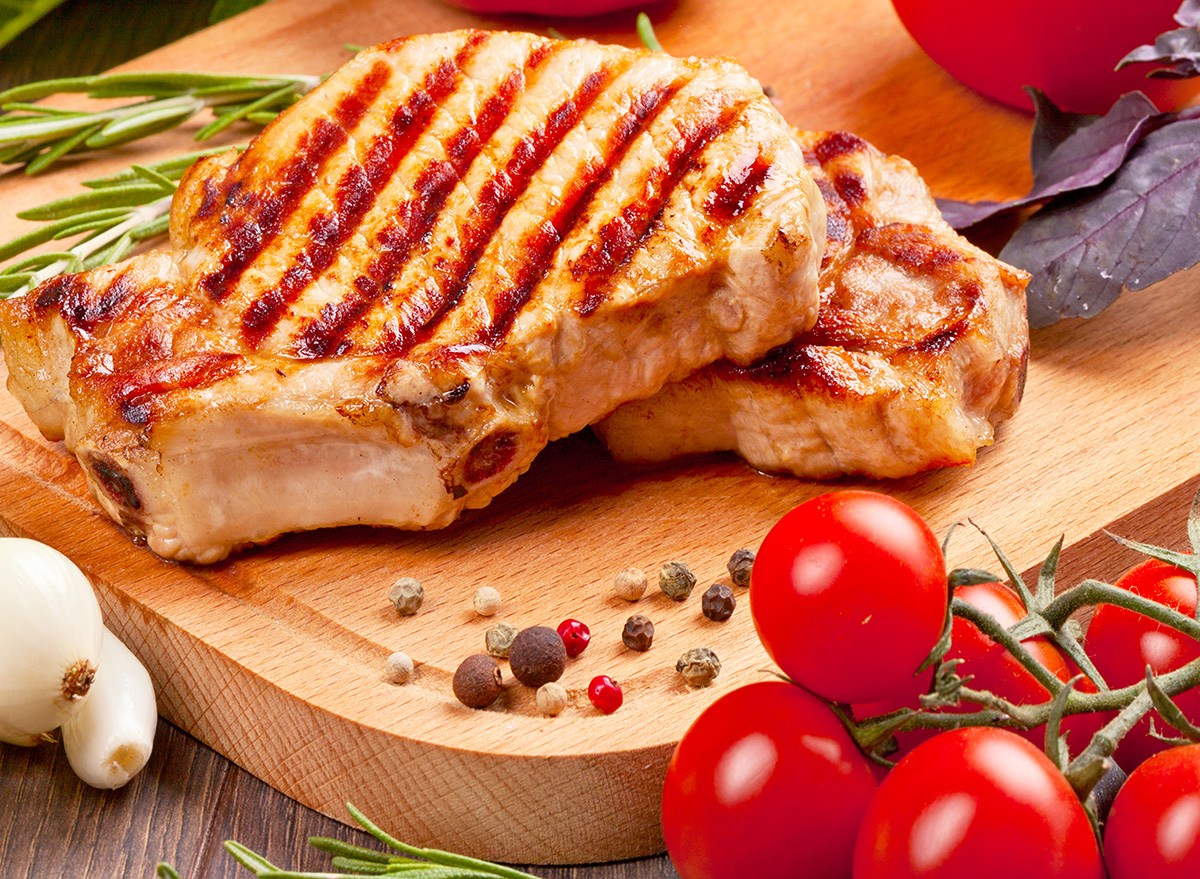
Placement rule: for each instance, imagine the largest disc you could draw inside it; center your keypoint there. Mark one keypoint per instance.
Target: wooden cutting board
(275, 658)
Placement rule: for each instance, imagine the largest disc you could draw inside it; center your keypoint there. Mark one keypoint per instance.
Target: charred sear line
(543, 243)
(115, 482)
(135, 395)
(836, 144)
(732, 196)
(914, 247)
(255, 219)
(355, 195)
(620, 237)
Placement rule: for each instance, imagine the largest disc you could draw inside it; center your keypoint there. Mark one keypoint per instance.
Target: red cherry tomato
(766, 783)
(1122, 643)
(1153, 828)
(848, 595)
(979, 803)
(993, 668)
(1067, 48)
(558, 8)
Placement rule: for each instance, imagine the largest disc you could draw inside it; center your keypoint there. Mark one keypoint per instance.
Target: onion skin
(51, 633)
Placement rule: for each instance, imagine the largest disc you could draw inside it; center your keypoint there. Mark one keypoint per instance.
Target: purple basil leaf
(1140, 227)
(1180, 48)
(1189, 13)
(1068, 152)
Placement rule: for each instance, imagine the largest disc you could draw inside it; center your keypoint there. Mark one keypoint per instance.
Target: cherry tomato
(1153, 828)
(1122, 643)
(978, 803)
(558, 8)
(993, 668)
(1067, 48)
(848, 595)
(765, 783)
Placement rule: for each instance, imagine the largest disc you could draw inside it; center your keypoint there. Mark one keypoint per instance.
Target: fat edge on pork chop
(457, 248)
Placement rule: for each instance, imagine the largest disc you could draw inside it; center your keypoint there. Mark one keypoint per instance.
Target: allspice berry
(718, 602)
(486, 601)
(498, 638)
(551, 698)
(477, 681)
(630, 583)
(537, 656)
(699, 666)
(638, 633)
(406, 596)
(740, 564)
(676, 579)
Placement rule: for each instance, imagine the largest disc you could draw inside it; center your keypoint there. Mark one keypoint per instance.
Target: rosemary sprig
(352, 860)
(36, 136)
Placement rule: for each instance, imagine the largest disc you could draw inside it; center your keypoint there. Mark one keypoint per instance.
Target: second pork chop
(919, 351)
(456, 249)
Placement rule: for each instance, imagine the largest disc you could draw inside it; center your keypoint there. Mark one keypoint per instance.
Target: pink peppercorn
(605, 693)
(575, 635)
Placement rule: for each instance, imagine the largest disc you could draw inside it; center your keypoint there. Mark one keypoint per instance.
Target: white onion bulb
(51, 634)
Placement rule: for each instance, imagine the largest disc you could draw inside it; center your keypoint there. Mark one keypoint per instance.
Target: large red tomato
(977, 803)
(1153, 828)
(1067, 48)
(765, 783)
(1122, 643)
(848, 595)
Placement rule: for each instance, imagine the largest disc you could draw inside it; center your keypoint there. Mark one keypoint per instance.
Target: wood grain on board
(275, 657)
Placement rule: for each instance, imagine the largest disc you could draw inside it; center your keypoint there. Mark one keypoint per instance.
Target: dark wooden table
(189, 799)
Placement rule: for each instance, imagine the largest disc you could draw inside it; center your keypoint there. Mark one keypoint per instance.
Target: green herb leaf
(224, 9)
(17, 15)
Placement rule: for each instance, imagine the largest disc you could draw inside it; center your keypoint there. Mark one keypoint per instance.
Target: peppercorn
(406, 595)
(630, 583)
(638, 633)
(499, 638)
(575, 636)
(486, 601)
(699, 666)
(718, 602)
(398, 667)
(739, 566)
(537, 656)
(676, 579)
(551, 698)
(605, 693)
(477, 681)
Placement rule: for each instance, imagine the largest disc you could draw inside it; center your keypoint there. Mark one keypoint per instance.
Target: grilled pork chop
(919, 350)
(458, 248)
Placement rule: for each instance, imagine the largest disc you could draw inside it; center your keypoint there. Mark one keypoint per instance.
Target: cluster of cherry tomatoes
(849, 596)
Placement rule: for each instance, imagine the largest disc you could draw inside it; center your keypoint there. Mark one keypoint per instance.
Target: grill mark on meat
(259, 218)
(912, 246)
(115, 482)
(543, 244)
(501, 192)
(836, 144)
(619, 238)
(81, 305)
(851, 188)
(491, 455)
(940, 341)
(52, 291)
(732, 196)
(134, 395)
(415, 218)
(356, 193)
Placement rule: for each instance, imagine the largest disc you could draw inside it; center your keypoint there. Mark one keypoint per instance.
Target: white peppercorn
(699, 666)
(406, 596)
(630, 583)
(499, 638)
(486, 601)
(398, 667)
(740, 565)
(676, 579)
(551, 698)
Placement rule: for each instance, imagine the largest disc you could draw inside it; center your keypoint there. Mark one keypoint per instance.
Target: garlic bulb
(51, 634)
(108, 740)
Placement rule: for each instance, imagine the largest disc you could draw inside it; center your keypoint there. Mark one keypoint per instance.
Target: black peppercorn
(477, 681)
(739, 566)
(537, 656)
(638, 633)
(718, 602)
